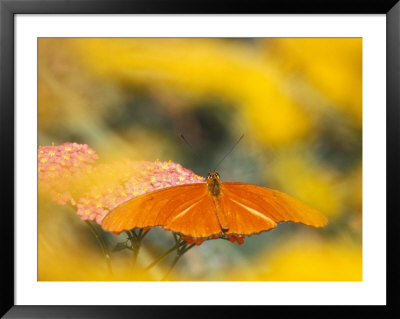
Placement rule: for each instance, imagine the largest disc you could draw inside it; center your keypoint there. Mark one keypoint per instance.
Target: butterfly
(212, 208)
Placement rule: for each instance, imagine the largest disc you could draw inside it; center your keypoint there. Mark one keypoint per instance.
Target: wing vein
(254, 212)
(185, 211)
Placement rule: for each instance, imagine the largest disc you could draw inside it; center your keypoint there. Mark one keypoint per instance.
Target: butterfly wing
(242, 209)
(250, 209)
(186, 209)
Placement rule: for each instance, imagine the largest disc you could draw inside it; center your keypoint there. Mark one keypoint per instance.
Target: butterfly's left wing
(250, 209)
(186, 209)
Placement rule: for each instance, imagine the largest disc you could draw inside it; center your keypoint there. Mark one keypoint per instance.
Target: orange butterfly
(205, 210)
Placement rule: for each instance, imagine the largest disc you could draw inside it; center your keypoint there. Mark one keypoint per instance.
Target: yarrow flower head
(59, 165)
(67, 172)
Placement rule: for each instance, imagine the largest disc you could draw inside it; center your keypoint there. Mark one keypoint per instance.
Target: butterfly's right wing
(250, 209)
(186, 209)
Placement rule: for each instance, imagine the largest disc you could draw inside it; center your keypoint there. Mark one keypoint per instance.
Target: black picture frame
(8, 10)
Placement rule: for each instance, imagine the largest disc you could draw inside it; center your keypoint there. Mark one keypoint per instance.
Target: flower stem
(164, 255)
(181, 251)
(136, 240)
(143, 234)
(172, 266)
(134, 245)
(103, 246)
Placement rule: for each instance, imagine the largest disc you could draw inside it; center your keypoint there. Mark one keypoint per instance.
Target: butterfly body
(214, 208)
(214, 187)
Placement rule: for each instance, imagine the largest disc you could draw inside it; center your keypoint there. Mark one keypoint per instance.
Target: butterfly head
(212, 176)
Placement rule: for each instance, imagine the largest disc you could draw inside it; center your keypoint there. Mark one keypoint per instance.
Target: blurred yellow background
(298, 102)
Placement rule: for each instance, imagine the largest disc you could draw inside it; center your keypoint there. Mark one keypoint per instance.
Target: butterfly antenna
(230, 151)
(188, 144)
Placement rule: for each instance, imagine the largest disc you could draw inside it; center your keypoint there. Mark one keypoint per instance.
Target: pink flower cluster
(59, 166)
(67, 173)
(122, 181)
